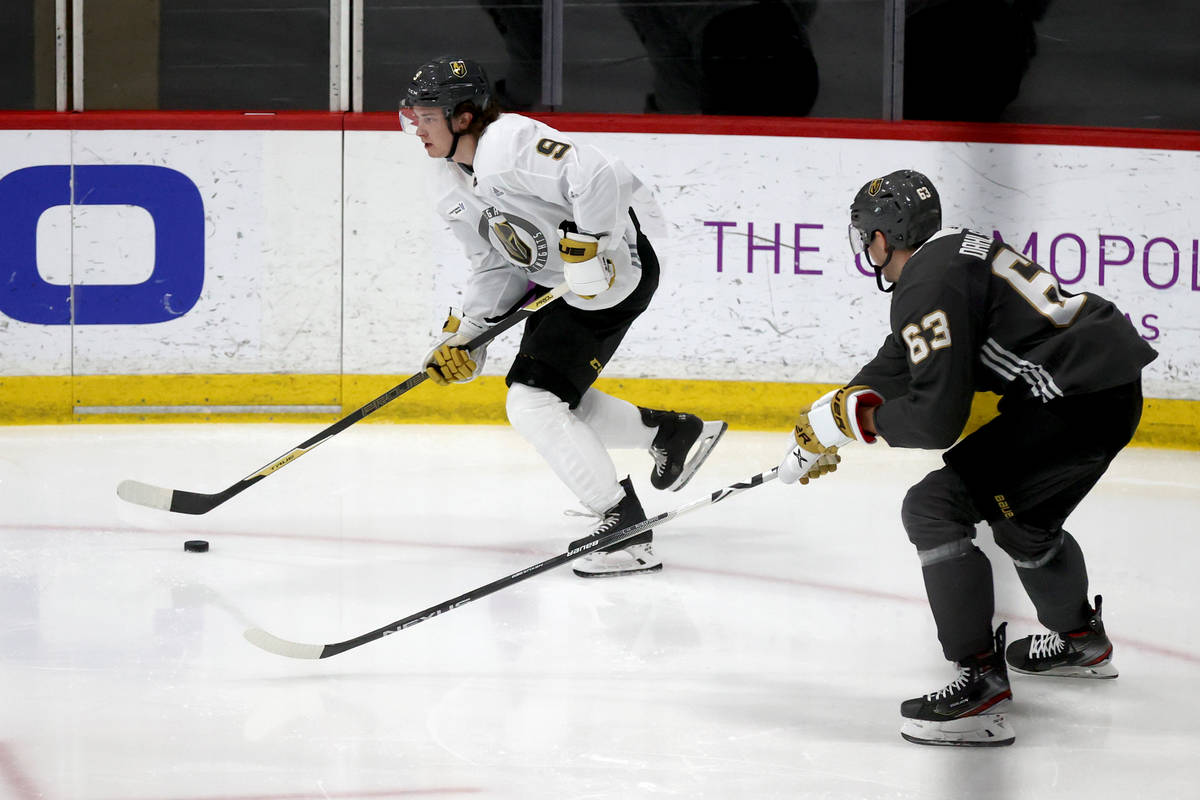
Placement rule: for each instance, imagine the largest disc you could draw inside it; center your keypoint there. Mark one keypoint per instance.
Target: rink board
(287, 266)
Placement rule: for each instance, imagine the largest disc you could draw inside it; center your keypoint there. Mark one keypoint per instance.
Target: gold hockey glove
(838, 421)
(823, 427)
(449, 361)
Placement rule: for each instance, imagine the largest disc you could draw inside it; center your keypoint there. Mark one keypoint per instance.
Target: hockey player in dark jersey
(970, 314)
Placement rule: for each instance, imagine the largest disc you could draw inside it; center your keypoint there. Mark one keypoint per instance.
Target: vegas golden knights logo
(516, 249)
(875, 186)
(458, 68)
(518, 240)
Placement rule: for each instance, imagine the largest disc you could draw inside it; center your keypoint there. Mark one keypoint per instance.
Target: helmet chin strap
(454, 141)
(456, 136)
(879, 270)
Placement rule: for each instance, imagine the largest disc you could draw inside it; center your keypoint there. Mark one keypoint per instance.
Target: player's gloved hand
(449, 362)
(800, 465)
(829, 423)
(836, 419)
(587, 268)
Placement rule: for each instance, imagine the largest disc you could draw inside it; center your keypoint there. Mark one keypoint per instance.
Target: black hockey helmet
(903, 205)
(446, 82)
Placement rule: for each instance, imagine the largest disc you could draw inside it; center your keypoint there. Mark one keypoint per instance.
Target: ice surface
(767, 660)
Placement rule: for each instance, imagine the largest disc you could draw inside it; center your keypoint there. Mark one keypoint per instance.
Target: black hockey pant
(1024, 472)
(563, 348)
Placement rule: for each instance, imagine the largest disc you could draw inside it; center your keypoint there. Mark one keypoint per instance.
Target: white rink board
(271, 299)
(396, 297)
(754, 325)
(36, 349)
(322, 254)
(272, 202)
(725, 313)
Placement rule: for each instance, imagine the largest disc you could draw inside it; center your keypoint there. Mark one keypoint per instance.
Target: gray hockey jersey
(971, 314)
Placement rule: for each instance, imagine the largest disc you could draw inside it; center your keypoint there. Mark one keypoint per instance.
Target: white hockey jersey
(527, 179)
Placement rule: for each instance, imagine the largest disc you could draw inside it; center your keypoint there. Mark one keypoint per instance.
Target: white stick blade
(282, 647)
(143, 494)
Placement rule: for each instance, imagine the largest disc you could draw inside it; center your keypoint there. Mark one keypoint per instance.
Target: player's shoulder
(506, 141)
(944, 243)
(448, 183)
(952, 249)
(942, 265)
(510, 126)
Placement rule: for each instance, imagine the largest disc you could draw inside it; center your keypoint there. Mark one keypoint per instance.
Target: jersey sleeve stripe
(1008, 366)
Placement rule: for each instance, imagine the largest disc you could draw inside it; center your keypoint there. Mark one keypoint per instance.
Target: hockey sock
(959, 589)
(568, 445)
(1058, 588)
(617, 422)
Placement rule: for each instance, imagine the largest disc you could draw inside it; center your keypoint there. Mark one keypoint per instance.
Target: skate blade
(710, 434)
(981, 730)
(615, 568)
(1103, 670)
(618, 573)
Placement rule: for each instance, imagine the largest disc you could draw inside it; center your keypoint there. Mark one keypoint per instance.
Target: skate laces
(1044, 645)
(660, 457)
(661, 452)
(960, 680)
(607, 521)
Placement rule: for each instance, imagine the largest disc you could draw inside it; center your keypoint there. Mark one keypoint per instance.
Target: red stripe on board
(998, 133)
(1001, 133)
(172, 120)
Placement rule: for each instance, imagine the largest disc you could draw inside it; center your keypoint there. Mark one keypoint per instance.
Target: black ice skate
(627, 557)
(1085, 653)
(679, 436)
(965, 712)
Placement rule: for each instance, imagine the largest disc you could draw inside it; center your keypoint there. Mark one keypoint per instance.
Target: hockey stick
(273, 644)
(184, 502)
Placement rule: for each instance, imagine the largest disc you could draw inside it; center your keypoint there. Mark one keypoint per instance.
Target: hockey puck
(196, 546)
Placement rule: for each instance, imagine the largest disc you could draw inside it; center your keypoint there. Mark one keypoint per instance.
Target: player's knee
(912, 512)
(535, 373)
(527, 406)
(1029, 547)
(934, 518)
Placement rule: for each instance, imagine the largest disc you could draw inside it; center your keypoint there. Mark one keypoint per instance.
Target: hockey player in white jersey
(531, 205)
